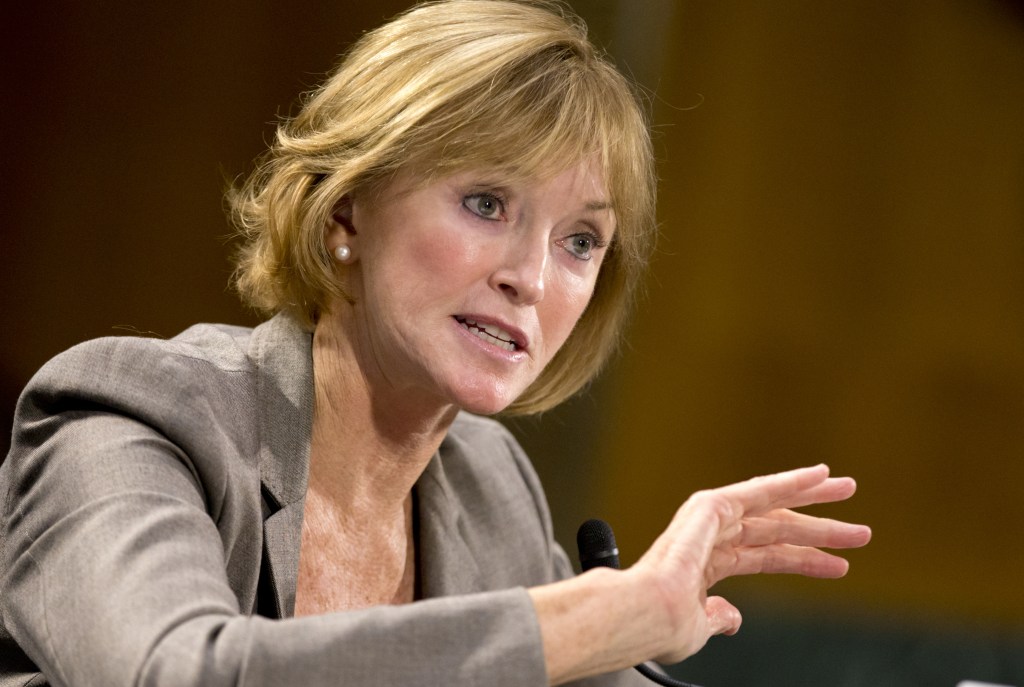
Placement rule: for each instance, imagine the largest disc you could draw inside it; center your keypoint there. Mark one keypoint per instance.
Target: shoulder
(208, 389)
(130, 416)
(155, 380)
(475, 429)
(493, 479)
(207, 346)
(486, 449)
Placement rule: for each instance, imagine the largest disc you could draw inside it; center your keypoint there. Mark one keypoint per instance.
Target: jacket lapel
(282, 532)
(283, 354)
(446, 563)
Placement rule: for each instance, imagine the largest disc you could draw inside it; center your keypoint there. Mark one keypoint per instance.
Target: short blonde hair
(448, 86)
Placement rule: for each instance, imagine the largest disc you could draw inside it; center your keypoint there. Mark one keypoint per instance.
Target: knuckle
(714, 501)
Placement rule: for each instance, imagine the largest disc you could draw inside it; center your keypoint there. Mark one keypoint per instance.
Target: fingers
(790, 489)
(776, 558)
(720, 618)
(831, 490)
(723, 617)
(789, 527)
(784, 541)
(769, 492)
(755, 513)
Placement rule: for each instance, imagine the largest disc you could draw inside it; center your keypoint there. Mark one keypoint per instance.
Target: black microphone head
(596, 544)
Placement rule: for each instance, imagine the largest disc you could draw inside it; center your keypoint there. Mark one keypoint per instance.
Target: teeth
(489, 333)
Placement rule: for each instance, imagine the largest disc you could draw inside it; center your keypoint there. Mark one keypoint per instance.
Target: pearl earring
(343, 253)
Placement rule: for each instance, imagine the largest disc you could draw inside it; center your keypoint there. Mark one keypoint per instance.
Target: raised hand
(740, 529)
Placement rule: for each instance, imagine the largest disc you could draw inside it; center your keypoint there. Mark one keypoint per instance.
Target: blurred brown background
(840, 278)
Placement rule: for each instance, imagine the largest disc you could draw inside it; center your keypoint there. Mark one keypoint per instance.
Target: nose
(522, 272)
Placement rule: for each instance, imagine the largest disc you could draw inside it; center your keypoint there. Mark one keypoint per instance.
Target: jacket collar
(283, 354)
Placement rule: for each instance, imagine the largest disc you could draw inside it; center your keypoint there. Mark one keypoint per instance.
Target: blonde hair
(447, 86)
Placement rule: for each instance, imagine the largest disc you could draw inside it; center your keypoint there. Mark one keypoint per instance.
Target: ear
(339, 228)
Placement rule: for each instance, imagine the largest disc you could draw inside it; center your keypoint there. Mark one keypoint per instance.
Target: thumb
(723, 617)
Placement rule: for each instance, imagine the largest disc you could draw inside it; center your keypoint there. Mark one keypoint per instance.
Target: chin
(485, 406)
(487, 401)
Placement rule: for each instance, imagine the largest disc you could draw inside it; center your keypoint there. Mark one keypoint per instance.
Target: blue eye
(486, 205)
(581, 245)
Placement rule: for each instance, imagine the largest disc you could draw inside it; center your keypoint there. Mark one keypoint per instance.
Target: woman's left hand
(741, 529)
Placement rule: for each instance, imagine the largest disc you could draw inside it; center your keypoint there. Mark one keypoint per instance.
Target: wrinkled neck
(371, 441)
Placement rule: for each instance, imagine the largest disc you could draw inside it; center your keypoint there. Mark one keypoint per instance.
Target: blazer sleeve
(112, 570)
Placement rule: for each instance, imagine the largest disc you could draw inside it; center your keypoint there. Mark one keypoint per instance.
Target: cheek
(447, 254)
(574, 293)
(424, 262)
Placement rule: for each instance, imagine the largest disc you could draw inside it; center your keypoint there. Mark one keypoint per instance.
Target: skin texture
(393, 367)
(470, 245)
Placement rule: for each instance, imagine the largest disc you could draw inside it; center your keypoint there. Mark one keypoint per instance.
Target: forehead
(585, 179)
(588, 176)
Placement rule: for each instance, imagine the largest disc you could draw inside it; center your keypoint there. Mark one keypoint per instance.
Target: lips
(492, 333)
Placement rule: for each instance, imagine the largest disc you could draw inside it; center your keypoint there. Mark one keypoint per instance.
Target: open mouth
(490, 333)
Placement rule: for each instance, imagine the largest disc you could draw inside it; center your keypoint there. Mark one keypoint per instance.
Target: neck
(371, 442)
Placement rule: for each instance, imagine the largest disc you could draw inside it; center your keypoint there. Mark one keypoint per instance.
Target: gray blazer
(152, 509)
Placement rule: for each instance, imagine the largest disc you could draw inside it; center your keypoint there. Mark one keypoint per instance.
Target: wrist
(652, 618)
(598, 622)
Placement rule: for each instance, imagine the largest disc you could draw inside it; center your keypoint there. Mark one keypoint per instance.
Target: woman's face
(466, 288)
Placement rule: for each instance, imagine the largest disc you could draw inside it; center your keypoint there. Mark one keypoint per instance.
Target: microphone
(596, 543)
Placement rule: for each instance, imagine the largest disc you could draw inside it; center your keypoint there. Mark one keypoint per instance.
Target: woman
(452, 226)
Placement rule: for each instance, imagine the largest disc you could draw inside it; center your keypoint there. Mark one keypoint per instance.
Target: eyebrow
(596, 205)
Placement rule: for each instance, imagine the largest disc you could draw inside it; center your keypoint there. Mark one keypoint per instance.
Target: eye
(582, 245)
(486, 205)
